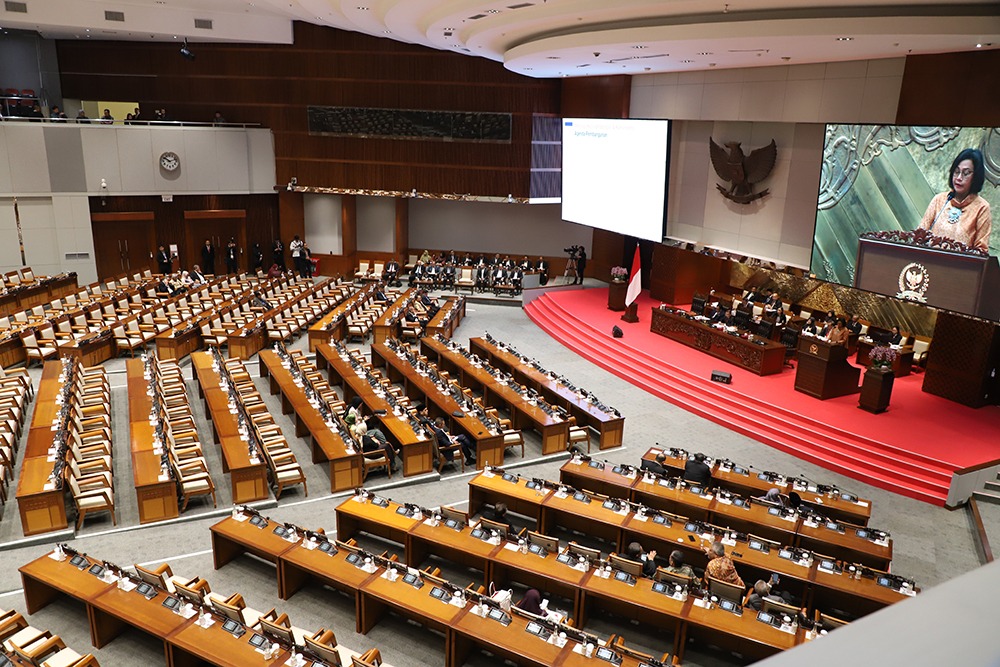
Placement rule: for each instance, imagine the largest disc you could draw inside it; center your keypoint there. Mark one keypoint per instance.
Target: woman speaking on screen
(961, 214)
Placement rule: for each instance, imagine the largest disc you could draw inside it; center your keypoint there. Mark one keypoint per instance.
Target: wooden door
(218, 226)
(124, 243)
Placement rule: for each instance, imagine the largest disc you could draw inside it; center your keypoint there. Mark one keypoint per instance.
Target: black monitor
(698, 304)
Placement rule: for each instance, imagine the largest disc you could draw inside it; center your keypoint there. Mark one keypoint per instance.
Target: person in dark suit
(696, 471)
(208, 256)
(443, 439)
(256, 258)
(163, 260)
(391, 271)
(896, 338)
(232, 256)
(278, 253)
(526, 264)
(810, 326)
(635, 552)
(854, 324)
(581, 266)
(197, 277)
(482, 277)
(417, 273)
(655, 467)
(543, 271)
(516, 278)
(498, 515)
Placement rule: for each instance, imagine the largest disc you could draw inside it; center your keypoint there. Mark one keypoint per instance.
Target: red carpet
(911, 449)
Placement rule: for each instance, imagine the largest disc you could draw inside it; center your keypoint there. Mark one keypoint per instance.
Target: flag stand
(631, 315)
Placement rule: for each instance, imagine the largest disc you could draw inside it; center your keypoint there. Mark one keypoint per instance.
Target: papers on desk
(205, 621)
(641, 517)
(561, 495)
(576, 461)
(162, 478)
(728, 541)
(187, 611)
(863, 503)
(239, 516)
(510, 546)
(701, 602)
(127, 585)
(487, 473)
(49, 486)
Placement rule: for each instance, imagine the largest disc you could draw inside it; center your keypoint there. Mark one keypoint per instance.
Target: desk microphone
(951, 195)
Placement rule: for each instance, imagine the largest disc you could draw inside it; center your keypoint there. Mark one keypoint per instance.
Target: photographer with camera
(576, 264)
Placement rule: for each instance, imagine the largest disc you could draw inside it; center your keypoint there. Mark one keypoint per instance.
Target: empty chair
(193, 479)
(37, 350)
(323, 643)
(98, 499)
(370, 658)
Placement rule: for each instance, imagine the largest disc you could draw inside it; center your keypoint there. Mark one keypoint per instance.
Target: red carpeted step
(881, 464)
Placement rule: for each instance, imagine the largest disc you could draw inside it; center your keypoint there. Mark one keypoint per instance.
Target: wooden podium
(823, 370)
(955, 281)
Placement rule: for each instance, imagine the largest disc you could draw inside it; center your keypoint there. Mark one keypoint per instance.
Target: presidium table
(755, 354)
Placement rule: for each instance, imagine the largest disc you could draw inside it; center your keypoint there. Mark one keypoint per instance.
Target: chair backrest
(831, 622)
(230, 611)
(193, 595)
(454, 514)
(626, 565)
(725, 590)
(773, 607)
(282, 631)
(664, 575)
(324, 645)
(501, 528)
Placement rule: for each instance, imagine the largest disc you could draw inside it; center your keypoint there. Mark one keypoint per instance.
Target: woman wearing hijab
(532, 602)
(353, 411)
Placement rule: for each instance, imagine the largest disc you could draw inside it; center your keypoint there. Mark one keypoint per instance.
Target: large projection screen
(614, 174)
(885, 190)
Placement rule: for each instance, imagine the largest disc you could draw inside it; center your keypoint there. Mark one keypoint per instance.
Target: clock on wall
(169, 161)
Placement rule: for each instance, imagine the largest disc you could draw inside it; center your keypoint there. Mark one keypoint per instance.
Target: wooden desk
(417, 451)
(92, 350)
(743, 634)
(542, 572)
(354, 516)
(346, 467)
(586, 516)
(232, 538)
(456, 546)
(299, 565)
(487, 487)
(388, 323)
(39, 502)
(447, 319)
(901, 366)
(489, 445)
(763, 357)
(247, 342)
(823, 371)
(156, 495)
(638, 602)
(511, 642)
(333, 325)
(115, 610)
(179, 342)
(553, 429)
(748, 483)
(248, 478)
(192, 645)
(610, 426)
(378, 595)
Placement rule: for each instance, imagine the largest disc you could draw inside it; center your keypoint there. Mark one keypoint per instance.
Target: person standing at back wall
(296, 249)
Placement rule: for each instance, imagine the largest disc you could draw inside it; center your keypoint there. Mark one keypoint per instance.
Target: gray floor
(931, 544)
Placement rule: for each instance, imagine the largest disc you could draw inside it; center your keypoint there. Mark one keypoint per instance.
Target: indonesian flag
(634, 281)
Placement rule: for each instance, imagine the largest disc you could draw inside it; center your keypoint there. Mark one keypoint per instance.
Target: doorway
(123, 243)
(218, 227)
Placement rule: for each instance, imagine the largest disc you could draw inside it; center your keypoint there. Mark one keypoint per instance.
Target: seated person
(374, 440)
(526, 264)
(676, 565)
(443, 439)
(896, 338)
(274, 271)
(411, 316)
(696, 471)
(391, 271)
(780, 318)
(196, 275)
(635, 552)
(656, 466)
(532, 602)
(761, 592)
(810, 326)
(498, 515)
(720, 566)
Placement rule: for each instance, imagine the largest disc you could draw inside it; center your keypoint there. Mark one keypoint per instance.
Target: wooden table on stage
(417, 451)
(553, 429)
(346, 469)
(155, 494)
(610, 426)
(39, 502)
(447, 319)
(489, 446)
(748, 483)
(763, 357)
(247, 478)
(901, 366)
(823, 370)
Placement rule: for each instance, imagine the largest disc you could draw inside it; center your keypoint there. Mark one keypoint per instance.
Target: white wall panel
(135, 159)
(200, 164)
(10, 254)
(323, 227)
(5, 182)
(261, 146)
(232, 157)
(100, 152)
(29, 164)
(376, 223)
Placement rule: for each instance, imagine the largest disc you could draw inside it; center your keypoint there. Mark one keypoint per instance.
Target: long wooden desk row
(39, 499)
(333, 325)
(113, 607)
(447, 319)
(782, 525)
(828, 500)
(388, 324)
(607, 422)
(822, 587)
(524, 411)
(43, 290)
(345, 570)
(399, 427)
(485, 434)
(248, 476)
(346, 466)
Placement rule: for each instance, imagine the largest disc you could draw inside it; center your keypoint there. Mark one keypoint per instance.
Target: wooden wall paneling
(273, 84)
(170, 226)
(677, 274)
(596, 96)
(123, 242)
(964, 353)
(607, 249)
(219, 226)
(292, 215)
(401, 233)
(964, 71)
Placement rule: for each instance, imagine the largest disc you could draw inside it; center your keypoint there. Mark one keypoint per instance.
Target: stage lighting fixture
(186, 52)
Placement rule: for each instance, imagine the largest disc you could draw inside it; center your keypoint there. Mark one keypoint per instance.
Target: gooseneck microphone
(951, 195)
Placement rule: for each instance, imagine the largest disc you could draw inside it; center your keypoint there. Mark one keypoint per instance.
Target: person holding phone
(762, 590)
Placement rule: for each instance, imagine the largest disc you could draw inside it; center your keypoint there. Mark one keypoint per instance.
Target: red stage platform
(911, 449)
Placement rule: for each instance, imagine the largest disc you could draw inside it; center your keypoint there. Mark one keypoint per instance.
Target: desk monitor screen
(611, 504)
(833, 525)
(354, 559)
(880, 185)
(692, 527)
(413, 580)
(379, 501)
(581, 496)
(659, 518)
(739, 502)
(696, 490)
(327, 547)
(740, 471)
(280, 531)
(625, 577)
(828, 565)
(765, 617)
(849, 497)
(438, 592)
(403, 510)
(96, 570)
(595, 464)
(145, 590)
(884, 581)
(233, 627)
(864, 534)
(565, 559)
(257, 640)
(79, 561)
(774, 511)
(507, 477)
(757, 545)
(498, 615)
(606, 654)
(171, 603)
(730, 606)
(537, 629)
(258, 521)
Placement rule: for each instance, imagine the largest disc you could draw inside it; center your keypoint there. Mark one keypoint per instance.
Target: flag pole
(634, 288)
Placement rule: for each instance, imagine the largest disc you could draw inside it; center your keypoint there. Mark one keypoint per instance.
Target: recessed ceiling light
(364, 9)
(639, 46)
(687, 61)
(704, 53)
(979, 46)
(845, 39)
(492, 11)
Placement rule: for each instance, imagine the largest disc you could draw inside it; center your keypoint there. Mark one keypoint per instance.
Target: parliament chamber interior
(320, 326)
